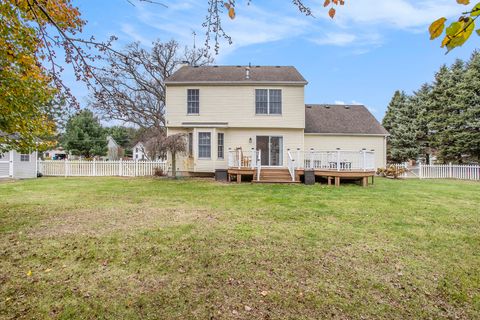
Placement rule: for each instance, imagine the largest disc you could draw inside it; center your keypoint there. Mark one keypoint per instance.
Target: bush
(158, 172)
(391, 171)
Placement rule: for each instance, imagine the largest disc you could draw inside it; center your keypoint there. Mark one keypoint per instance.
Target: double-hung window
(268, 101)
(204, 145)
(193, 101)
(220, 145)
(25, 157)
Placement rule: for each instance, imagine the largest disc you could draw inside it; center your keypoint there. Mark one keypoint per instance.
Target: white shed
(18, 165)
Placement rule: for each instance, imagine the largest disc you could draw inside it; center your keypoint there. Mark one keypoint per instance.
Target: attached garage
(344, 127)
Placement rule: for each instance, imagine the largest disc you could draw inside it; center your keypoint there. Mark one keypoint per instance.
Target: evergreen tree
(447, 107)
(84, 135)
(420, 100)
(400, 122)
(468, 135)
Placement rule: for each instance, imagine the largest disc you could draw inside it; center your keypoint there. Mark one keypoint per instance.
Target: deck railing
(242, 159)
(340, 160)
(291, 165)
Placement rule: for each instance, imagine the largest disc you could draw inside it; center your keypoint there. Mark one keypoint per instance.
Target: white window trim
(193, 113)
(268, 102)
(198, 145)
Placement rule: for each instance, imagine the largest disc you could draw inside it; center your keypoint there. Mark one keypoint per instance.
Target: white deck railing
(291, 165)
(340, 160)
(242, 159)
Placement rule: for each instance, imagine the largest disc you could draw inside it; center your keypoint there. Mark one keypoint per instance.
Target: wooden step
(275, 181)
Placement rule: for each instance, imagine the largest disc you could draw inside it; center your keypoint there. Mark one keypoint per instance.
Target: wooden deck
(277, 175)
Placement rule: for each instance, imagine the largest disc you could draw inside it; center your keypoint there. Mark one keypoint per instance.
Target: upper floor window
(25, 157)
(268, 101)
(193, 101)
(204, 145)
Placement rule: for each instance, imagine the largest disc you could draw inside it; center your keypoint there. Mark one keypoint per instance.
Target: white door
(5, 165)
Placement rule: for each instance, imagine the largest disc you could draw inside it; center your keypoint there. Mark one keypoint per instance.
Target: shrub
(158, 172)
(391, 171)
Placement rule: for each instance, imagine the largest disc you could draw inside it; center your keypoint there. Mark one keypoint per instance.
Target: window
(25, 157)
(220, 145)
(193, 101)
(261, 101)
(190, 144)
(268, 101)
(204, 143)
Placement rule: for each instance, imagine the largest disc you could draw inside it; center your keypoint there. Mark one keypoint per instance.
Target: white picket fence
(84, 168)
(442, 171)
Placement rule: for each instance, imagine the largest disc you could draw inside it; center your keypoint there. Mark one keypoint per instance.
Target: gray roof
(341, 119)
(236, 74)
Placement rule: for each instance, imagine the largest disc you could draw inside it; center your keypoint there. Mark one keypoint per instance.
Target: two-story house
(251, 117)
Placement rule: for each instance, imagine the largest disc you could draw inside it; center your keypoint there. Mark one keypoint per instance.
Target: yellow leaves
(458, 32)
(436, 28)
(29, 273)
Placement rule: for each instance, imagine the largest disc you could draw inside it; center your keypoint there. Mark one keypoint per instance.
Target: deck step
(275, 181)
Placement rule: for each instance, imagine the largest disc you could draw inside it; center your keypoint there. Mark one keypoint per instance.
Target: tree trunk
(174, 164)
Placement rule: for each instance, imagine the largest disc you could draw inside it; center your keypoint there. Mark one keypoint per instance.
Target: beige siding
(236, 106)
(234, 138)
(348, 142)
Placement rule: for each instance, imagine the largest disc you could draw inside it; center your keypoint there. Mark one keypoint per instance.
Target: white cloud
(133, 34)
(335, 39)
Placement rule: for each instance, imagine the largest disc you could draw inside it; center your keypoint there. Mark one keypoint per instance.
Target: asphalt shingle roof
(237, 74)
(341, 119)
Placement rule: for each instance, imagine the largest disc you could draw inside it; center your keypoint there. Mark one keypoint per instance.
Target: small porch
(333, 166)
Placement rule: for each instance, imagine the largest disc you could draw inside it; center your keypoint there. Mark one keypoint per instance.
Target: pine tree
(421, 102)
(468, 135)
(84, 135)
(400, 122)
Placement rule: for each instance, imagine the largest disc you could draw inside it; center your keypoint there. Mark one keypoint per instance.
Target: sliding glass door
(272, 150)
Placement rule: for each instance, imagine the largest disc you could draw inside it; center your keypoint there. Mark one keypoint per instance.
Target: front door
(272, 150)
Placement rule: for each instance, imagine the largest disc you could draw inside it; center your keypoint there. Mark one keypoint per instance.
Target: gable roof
(236, 74)
(341, 119)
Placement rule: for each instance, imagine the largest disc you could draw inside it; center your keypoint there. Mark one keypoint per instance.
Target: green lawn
(192, 249)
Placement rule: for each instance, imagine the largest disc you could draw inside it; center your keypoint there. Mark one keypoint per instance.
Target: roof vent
(347, 107)
(215, 66)
(247, 73)
(308, 106)
(277, 66)
(327, 106)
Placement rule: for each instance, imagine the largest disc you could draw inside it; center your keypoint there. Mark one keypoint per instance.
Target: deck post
(239, 156)
(298, 158)
(254, 159)
(311, 158)
(338, 161)
(364, 151)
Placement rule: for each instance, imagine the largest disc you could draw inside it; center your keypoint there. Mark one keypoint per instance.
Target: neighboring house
(55, 154)
(18, 165)
(114, 151)
(229, 112)
(138, 152)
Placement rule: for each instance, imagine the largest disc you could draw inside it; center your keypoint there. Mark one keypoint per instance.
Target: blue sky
(362, 56)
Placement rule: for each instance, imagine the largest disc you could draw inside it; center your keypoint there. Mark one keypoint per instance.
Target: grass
(116, 248)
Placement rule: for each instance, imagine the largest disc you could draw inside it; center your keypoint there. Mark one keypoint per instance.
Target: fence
(83, 168)
(442, 171)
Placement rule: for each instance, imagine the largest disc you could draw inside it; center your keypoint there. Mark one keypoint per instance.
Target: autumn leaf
(332, 12)
(326, 3)
(475, 10)
(231, 13)
(29, 273)
(465, 2)
(436, 28)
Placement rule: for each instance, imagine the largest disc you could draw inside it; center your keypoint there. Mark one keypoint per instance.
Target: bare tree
(132, 85)
(175, 144)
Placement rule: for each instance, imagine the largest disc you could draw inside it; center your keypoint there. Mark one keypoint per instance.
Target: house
(18, 165)
(139, 152)
(114, 151)
(253, 120)
(55, 154)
